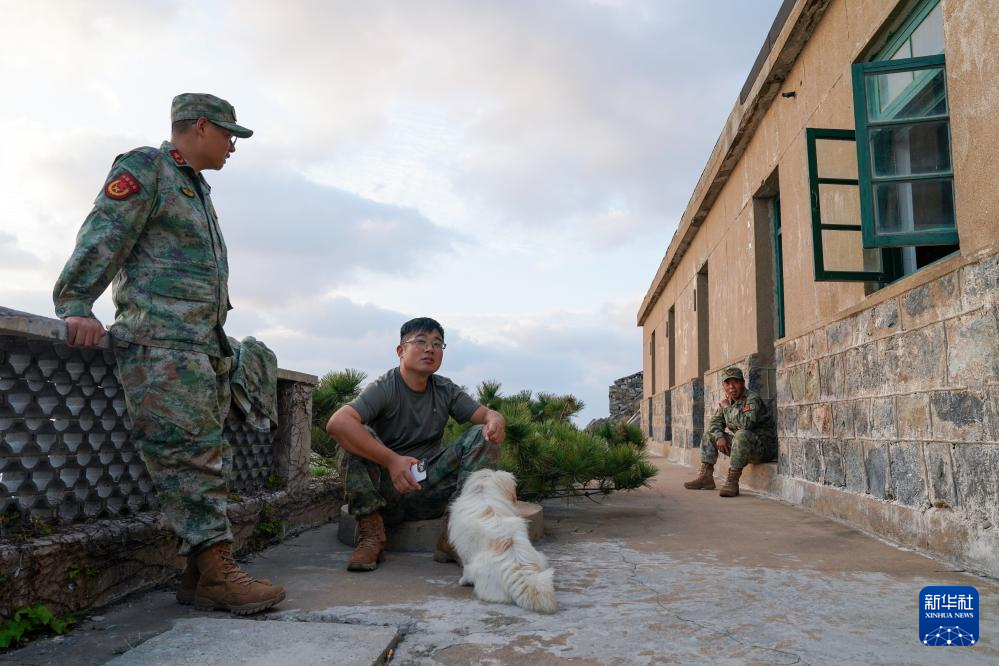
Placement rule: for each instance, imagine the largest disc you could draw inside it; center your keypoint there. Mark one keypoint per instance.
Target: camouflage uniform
(753, 440)
(369, 485)
(154, 233)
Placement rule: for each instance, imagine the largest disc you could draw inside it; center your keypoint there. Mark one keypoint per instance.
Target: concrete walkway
(659, 576)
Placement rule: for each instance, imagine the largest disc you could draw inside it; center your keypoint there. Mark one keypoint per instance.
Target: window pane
(928, 38)
(902, 150)
(917, 206)
(840, 204)
(836, 159)
(842, 251)
(904, 51)
(901, 95)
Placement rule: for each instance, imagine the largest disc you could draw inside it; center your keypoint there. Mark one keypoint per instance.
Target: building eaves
(795, 22)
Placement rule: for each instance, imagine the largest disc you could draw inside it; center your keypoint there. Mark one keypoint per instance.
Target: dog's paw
(466, 582)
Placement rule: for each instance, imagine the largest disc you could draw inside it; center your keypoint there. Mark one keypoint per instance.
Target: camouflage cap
(191, 106)
(732, 373)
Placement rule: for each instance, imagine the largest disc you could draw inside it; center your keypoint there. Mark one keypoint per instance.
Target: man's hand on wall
(84, 331)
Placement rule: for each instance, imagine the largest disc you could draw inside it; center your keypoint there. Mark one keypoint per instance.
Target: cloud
(515, 169)
(290, 238)
(559, 352)
(13, 257)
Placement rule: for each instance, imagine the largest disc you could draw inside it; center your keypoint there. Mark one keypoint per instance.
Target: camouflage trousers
(747, 448)
(369, 487)
(177, 401)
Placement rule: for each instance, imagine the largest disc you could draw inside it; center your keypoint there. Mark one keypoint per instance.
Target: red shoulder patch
(746, 408)
(177, 157)
(121, 187)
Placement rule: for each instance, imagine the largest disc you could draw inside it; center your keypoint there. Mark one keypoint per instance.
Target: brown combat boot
(705, 479)
(370, 548)
(188, 582)
(224, 586)
(731, 487)
(445, 552)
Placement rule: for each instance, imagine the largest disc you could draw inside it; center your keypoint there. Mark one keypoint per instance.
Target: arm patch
(122, 187)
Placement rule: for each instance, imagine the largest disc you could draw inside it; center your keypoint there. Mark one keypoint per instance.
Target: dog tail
(529, 588)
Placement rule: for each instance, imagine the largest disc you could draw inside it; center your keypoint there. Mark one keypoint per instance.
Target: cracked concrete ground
(662, 575)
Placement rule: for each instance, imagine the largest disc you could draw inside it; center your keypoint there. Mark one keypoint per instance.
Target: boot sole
(362, 566)
(366, 566)
(245, 609)
(711, 487)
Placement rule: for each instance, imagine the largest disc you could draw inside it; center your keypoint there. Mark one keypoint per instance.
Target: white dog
(491, 538)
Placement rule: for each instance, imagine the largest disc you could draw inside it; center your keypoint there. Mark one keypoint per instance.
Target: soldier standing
(154, 234)
(744, 414)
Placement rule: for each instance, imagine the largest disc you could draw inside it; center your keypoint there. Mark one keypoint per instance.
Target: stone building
(625, 397)
(842, 247)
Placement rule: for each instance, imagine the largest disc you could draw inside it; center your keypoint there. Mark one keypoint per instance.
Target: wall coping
(15, 322)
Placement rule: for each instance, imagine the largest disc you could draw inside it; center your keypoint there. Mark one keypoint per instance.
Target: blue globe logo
(943, 636)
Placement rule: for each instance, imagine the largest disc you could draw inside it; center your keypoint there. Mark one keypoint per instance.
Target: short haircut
(183, 126)
(420, 325)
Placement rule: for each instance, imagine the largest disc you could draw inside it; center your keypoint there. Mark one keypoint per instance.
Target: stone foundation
(687, 406)
(93, 565)
(889, 417)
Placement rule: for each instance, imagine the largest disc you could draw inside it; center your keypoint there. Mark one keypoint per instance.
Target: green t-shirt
(409, 422)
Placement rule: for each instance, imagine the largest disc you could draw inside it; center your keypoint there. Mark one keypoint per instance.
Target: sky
(513, 169)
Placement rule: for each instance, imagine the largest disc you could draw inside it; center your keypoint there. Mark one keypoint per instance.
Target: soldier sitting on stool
(753, 441)
(399, 420)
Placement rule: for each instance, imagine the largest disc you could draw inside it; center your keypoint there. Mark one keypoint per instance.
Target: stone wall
(761, 378)
(687, 407)
(898, 403)
(625, 396)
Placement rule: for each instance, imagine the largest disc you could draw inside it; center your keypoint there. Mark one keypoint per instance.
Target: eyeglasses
(231, 136)
(436, 345)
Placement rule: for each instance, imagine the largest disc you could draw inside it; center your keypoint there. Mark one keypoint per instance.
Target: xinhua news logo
(948, 615)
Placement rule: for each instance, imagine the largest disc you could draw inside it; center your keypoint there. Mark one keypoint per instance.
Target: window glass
(905, 95)
(837, 159)
(921, 205)
(842, 252)
(928, 37)
(905, 150)
(840, 204)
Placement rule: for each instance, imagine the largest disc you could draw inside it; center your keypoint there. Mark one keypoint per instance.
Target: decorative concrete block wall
(79, 527)
(65, 453)
(900, 401)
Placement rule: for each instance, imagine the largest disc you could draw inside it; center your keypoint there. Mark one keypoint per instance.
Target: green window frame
(865, 98)
(815, 181)
(778, 246)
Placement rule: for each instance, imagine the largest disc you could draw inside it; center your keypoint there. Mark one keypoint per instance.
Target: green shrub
(551, 457)
(334, 390)
(32, 620)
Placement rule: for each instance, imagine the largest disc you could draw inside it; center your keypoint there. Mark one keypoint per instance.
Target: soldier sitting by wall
(398, 421)
(744, 414)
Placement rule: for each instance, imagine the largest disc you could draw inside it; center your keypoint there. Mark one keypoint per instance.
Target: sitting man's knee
(742, 438)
